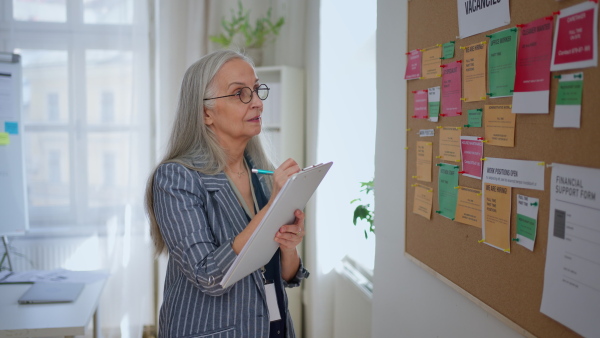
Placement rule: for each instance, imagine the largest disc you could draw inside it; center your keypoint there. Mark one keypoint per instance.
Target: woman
(204, 204)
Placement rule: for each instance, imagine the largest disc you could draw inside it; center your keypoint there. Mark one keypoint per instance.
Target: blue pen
(263, 172)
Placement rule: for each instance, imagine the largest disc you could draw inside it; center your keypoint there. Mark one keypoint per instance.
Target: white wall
(407, 301)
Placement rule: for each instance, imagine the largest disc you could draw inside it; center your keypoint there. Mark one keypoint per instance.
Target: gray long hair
(191, 140)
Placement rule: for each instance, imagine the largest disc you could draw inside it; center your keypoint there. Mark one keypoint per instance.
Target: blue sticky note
(11, 127)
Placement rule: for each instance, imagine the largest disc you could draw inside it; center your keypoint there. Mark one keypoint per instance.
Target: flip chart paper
(420, 104)
(472, 153)
(451, 89)
(477, 16)
(7, 96)
(424, 161)
(450, 144)
(474, 118)
(527, 215)
(532, 79)
(431, 62)
(423, 201)
(514, 173)
(502, 63)
(448, 50)
(571, 293)
(447, 195)
(474, 73)
(499, 125)
(468, 207)
(433, 100)
(576, 37)
(496, 215)
(567, 112)
(413, 65)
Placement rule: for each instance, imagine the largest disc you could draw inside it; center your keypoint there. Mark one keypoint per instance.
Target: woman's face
(233, 121)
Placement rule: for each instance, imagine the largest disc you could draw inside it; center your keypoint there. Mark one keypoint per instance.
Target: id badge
(272, 302)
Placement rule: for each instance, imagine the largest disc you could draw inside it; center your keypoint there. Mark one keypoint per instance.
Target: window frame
(75, 38)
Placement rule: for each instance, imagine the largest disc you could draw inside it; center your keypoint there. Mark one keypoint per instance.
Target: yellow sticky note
(4, 139)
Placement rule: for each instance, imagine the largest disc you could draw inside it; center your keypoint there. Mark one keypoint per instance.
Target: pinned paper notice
(468, 207)
(423, 201)
(496, 216)
(527, 214)
(433, 101)
(567, 113)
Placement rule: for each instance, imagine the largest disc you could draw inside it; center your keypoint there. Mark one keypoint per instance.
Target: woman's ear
(208, 120)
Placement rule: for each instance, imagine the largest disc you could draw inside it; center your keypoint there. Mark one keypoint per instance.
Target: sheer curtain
(86, 113)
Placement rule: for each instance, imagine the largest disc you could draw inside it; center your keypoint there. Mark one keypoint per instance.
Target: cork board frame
(507, 285)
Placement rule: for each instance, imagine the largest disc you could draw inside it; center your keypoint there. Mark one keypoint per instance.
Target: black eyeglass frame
(239, 94)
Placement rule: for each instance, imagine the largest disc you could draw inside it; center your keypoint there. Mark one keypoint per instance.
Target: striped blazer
(199, 216)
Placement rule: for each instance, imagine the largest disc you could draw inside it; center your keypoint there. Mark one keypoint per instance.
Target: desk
(43, 320)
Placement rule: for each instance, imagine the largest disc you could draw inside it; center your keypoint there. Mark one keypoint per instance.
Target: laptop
(42, 293)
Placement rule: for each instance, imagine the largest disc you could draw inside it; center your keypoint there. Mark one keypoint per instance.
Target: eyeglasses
(245, 94)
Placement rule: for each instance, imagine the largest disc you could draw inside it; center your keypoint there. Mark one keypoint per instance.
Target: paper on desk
(56, 275)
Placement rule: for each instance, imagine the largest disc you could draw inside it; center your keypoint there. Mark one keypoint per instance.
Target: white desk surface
(42, 320)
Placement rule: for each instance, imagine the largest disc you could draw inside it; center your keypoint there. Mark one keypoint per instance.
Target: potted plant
(365, 211)
(238, 29)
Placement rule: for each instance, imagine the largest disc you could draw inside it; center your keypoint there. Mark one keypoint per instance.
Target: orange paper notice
(474, 82)
(496, 215)
(430, 67)
(423, 201)
(468, 207)
(424, 163)
(450, 144)
(499, 125)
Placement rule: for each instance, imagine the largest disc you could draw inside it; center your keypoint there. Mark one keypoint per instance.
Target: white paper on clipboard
(261, 246)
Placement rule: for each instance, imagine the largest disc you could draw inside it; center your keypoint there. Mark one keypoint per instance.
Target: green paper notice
(474, 118)
(447, 194)
(526, 226)
(448, 50)
(434, 109)
(569, 93)
(502, 63)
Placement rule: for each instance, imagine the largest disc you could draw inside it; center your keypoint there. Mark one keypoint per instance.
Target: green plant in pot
(365, 211)
(239, 29)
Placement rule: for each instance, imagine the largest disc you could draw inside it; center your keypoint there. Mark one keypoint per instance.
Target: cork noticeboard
(509, 285)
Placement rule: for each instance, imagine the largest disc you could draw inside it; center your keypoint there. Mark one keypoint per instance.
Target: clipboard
(261, 246)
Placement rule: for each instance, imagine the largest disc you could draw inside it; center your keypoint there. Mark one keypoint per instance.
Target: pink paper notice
(451, 90)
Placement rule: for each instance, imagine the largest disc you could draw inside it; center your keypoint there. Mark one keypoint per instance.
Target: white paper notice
(477, 16)
(514, 173)
(571, 292)
(527, 215)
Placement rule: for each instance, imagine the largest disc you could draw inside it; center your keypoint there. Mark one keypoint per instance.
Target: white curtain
(87, 117)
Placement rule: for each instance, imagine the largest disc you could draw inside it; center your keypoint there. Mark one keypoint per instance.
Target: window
(86, 141)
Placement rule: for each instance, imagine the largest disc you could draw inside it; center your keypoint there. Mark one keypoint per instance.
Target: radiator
(353, 297)
(48, 253)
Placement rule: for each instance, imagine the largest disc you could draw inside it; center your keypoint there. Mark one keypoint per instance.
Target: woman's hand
(281, 175)
(289, 236)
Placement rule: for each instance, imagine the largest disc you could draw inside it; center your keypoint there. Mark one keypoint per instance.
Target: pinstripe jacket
(199, 216)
